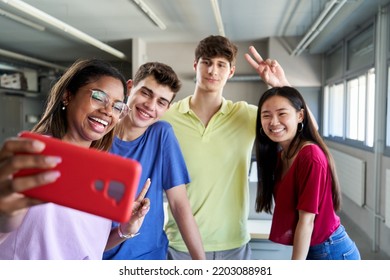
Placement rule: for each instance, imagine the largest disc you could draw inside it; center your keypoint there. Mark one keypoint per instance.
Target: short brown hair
(162, 73)
(214, 46)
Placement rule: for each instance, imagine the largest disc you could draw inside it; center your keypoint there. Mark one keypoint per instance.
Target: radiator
(352, 173)
(387, 197)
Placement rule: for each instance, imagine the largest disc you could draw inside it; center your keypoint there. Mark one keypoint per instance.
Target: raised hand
(13, 158)
(141, 207)
(269, 70)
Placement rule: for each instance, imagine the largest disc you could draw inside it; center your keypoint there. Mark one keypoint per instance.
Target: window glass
(336, 110)
(334, 63)
(360, 50)
(370, 108)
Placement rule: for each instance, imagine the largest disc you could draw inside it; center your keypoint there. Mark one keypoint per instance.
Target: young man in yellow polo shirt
(216, 137)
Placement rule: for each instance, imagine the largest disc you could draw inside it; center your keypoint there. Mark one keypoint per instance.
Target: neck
(126, 131)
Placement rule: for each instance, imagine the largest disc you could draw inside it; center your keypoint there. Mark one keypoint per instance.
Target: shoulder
(241, 106)
(160, 129)
(311, 152)
(242, 112)
(161, 125)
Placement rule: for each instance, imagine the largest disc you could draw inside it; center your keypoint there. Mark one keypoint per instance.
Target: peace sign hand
(141, 207)
(269, 70)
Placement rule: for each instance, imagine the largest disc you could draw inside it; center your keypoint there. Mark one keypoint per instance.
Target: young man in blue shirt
(141, 136)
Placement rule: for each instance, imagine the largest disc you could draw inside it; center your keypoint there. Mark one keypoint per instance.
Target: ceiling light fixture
(218, 17)
(66, 28)
(22, 20)
(150, 14)
(30, 59)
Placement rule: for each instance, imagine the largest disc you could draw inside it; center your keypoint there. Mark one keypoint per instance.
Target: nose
(212, 69)
(274, 120)
(151, 103)
(108, 109)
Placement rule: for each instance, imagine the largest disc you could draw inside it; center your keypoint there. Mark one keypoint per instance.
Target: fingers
(21, 145)
(16, 203)
(251, 61)
(258, 60)
(145, 204)
(15, 163)
(144, 190)
(256, 55)
(27, 182)
(18, 154)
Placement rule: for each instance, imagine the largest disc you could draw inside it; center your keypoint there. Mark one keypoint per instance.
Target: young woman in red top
(297, 172)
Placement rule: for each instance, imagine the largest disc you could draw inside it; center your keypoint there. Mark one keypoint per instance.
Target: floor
(362, 241)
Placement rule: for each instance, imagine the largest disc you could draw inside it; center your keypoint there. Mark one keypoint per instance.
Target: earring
(300, 127)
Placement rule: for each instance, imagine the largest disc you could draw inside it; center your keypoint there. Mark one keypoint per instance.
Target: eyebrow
(152, 92)
(218, 60)
(277, 110)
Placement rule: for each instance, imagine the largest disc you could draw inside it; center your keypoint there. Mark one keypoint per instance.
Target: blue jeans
(339, 246)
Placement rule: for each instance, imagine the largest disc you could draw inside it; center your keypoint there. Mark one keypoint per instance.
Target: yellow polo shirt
(218, 159)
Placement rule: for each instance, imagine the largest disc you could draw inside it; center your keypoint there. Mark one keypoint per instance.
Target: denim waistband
(339, 230)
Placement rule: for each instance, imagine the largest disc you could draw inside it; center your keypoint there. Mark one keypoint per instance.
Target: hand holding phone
(92, 181)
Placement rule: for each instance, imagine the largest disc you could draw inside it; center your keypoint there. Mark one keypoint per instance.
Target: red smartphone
(93, 181)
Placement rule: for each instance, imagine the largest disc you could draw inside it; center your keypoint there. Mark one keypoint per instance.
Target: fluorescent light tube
(30, 59)
(218, 17)
(40, 15)
(22, 20)
(150, 14)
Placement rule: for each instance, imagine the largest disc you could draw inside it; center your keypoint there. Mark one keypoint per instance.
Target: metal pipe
(380, 111)
(313, 31)
(30, 59)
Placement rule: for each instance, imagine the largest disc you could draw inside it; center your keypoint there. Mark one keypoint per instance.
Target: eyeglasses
(100, 99)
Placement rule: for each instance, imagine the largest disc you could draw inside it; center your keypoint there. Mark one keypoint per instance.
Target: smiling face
(279, 120)
(86, 122)
(212, 73)
(148, 101)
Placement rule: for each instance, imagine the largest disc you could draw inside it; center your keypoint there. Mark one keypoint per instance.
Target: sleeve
(311, 178)
(175, 171)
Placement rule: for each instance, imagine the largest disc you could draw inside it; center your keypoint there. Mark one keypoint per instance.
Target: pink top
(306, 186)
(50, 231)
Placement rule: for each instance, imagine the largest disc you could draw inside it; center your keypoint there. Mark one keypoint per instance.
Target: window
(334, 126)
(349, 110)
(360, 108)
(349, 93)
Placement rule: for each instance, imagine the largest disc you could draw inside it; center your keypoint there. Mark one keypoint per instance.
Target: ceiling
(117, 22)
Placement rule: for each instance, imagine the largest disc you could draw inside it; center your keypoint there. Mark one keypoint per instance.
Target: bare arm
(141, 207)
(14, 205)
(181, 211)
(302, 235)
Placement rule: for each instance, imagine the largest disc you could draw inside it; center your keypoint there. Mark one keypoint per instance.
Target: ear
(301, 115)
(232, 70)
(129, 84)
(66, 98)
(195, 65)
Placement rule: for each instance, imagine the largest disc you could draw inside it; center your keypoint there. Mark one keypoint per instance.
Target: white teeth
(277, 130)
(144, 114)
(105, 123)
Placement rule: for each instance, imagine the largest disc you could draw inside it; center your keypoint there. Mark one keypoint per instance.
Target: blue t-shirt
(159, 153)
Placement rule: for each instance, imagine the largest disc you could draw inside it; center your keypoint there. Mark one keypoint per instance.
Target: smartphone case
(93, 181)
